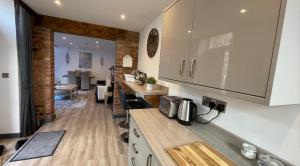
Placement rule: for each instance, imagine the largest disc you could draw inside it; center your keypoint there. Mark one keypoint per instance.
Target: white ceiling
(139, 13)
(83, 43)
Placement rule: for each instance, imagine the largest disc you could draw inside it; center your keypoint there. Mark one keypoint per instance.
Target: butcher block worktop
(198, 154)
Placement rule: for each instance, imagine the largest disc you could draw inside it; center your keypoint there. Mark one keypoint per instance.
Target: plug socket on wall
(216, 104)
(5, 75)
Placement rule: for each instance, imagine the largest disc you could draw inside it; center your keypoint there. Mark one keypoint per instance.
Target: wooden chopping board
(198, 154)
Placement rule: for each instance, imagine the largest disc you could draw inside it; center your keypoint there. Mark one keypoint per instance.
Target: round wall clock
(152, 43)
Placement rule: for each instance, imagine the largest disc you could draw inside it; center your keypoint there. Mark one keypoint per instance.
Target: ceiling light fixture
(57, 2)
(242, 11)
(97, 42)
(64, 38)
(123, 17)
(71, 43)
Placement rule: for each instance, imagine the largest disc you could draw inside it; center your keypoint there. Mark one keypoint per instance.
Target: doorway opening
(82, 65)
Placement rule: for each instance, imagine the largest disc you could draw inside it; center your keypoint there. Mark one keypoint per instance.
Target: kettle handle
(194, 110)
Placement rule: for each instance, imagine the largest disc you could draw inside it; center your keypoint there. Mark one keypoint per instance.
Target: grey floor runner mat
(42, 144)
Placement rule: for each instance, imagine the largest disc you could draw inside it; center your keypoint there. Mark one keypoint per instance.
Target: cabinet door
(176, 40)
(232, 44)
(133, 159)
(150, 160)
(147, 157)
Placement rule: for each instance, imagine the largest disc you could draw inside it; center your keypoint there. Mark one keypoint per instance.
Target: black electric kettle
(187, 112)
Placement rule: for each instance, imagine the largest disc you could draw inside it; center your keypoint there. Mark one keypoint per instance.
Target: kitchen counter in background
(151, 96)
(142, 89)
(161, 132)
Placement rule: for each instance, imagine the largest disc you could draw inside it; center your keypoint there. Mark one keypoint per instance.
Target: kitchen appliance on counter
(187, 112)
(169, 105)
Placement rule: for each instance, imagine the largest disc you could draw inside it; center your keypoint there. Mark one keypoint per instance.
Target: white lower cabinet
(139, 153)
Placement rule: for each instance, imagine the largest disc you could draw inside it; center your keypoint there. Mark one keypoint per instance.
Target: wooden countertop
(161, 133)
(142, 89)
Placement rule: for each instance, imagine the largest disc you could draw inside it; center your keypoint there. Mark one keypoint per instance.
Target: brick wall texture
(43, 73)
(123, 48)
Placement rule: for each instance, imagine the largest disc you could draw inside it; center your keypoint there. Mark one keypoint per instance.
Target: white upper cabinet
(232, 44)
(176, 39)
(247, 49)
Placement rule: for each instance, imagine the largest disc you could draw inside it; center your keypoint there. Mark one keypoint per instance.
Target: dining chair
(72, 77)
(85, 80)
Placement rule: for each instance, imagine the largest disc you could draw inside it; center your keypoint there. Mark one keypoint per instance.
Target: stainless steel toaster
(169, 105)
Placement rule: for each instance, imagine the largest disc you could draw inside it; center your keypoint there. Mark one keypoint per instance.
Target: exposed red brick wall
(43, 73)
(43, 57)
(123, 48)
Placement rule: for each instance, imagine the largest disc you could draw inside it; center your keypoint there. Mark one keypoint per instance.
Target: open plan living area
(150, 83)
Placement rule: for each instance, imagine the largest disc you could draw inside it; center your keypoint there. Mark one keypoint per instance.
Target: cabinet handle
(149, 160)
(181, 67)
(136, 133)
(191, 71)
(133, 161)
(134, 148)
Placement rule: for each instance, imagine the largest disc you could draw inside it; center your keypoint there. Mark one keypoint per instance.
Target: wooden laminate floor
(92, 138)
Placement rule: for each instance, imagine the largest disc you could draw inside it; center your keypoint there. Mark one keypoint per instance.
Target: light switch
(5, 75)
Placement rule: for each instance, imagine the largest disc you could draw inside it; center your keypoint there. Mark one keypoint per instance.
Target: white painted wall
(286, 92)
(276, 129)
(145, 63)
(9, 88)
(100, 72)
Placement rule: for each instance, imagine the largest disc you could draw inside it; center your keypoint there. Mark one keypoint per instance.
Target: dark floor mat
(42, 144)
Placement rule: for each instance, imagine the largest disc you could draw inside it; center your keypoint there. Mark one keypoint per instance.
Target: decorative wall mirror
(101, 61)
(127, 61)
(67, 57)
(152, 43)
